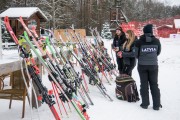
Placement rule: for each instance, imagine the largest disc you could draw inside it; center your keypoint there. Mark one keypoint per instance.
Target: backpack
(126, 89)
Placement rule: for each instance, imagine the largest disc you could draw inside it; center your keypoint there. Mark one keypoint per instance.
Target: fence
(9, 45)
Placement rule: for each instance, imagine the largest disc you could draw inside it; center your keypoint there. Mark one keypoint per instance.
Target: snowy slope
(169, 67)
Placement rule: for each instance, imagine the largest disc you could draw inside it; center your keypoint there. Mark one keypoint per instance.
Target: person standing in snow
(128, 53)
(118, 42)
(148, 47)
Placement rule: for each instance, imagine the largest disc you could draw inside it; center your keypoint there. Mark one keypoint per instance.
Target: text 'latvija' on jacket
(147, 49)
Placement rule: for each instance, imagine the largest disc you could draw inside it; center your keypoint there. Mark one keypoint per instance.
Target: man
(148, 48)
(118, 42)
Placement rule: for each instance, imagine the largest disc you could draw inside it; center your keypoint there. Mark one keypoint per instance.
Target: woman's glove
(119, 54)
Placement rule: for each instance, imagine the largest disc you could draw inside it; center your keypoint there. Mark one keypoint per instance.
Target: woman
(128, 53)
(118, 42)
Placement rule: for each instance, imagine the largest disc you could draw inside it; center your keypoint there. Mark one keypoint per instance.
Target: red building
(162, 27)
(165, 30)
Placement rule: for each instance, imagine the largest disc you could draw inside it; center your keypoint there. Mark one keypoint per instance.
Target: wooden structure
(17, 91)
(32, 16)
(117, 16)
(62, 32)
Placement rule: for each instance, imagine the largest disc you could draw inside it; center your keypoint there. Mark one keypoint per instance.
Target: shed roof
(25, 12)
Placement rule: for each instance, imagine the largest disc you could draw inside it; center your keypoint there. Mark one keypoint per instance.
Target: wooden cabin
(32, 16)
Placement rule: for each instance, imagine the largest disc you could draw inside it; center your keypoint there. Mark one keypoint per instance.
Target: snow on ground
(103, 109)
(9, 56)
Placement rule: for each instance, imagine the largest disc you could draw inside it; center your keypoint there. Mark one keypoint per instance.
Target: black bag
(126, 89)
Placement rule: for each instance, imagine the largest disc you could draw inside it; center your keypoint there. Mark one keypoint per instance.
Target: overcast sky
(171, 2)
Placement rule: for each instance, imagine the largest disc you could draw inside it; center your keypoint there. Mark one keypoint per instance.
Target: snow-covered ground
(103, 109)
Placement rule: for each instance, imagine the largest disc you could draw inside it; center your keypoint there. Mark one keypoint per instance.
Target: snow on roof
(170, 26)
(25, 12)
(177, 23)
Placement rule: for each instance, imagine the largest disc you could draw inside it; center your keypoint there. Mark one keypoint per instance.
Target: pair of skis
(53, 74)
(34, 72)
(105, 58)
(34, 75)
(70, 71)
(86, 69)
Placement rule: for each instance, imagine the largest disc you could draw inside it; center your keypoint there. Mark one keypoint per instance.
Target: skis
(86, 69)
(66, 82)
(34, 73)
(69, 72)
(53, 74)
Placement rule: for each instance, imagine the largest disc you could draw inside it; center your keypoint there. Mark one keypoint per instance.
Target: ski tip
(6, 19)
(109, 83)
(92, 103)
(111, 99)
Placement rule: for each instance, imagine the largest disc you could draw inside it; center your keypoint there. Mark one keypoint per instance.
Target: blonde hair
(130, 40)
